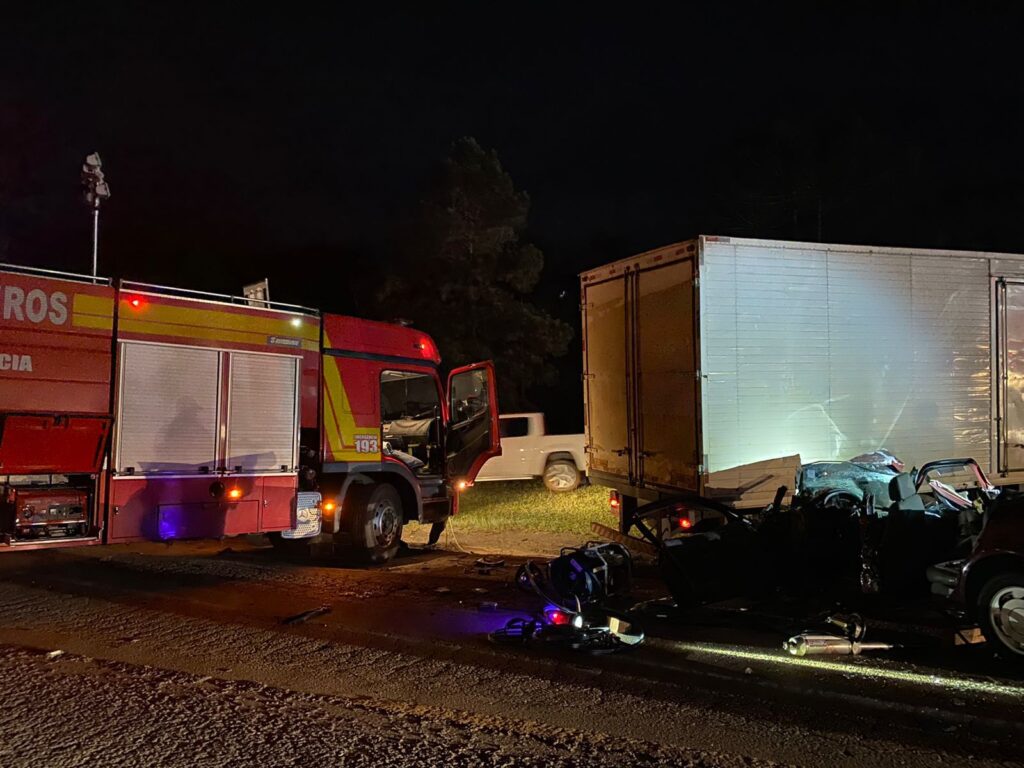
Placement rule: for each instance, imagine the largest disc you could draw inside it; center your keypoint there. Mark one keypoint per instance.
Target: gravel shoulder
(180, 656)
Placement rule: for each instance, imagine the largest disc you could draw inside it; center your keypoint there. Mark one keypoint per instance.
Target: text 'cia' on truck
(135, 412)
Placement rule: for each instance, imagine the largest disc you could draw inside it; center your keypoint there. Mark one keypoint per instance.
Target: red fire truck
(135, 412)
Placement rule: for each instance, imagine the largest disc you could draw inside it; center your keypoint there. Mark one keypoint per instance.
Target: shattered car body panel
(860, 480)
(852, 528)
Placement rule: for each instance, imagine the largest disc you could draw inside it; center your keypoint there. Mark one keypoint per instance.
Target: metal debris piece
(484, 567)
(301, 618)
(442, 590)
(54, 654)
(483, 562)
(820, 645)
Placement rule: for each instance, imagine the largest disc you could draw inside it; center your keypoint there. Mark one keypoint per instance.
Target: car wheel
(373, 521)
(561, 476)
(1001, 615)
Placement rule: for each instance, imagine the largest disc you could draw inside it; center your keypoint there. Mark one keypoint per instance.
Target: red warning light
(685, 523)
(557, 617)
(135, 301)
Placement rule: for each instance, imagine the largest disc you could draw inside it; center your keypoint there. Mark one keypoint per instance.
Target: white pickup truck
(528, 453)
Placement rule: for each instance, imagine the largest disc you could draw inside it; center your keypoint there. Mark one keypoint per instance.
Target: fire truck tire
(373, 522)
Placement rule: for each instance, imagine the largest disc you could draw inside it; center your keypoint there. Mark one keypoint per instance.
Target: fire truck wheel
(374, 522)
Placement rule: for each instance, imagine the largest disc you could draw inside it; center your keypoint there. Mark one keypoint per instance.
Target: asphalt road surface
(183, 655)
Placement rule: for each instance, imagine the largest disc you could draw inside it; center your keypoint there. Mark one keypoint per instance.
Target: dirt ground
(185, 655)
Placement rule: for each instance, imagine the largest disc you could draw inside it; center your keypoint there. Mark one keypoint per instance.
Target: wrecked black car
(863, 530)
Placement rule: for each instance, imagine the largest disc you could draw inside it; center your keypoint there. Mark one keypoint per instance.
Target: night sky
(290, 144)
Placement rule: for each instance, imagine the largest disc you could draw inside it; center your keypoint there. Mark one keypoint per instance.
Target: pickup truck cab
(528, 453)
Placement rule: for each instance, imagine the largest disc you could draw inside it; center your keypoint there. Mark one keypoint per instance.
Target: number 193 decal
(367, 444)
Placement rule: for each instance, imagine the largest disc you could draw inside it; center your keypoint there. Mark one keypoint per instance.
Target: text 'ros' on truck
(136, 412)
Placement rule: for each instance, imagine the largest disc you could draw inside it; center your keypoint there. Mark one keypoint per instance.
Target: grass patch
(529, 506)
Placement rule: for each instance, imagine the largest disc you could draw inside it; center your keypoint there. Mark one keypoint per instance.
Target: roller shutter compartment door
(168, 408)
(262, 415)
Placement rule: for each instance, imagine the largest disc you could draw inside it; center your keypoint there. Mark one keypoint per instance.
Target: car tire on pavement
(1001, 615)
(561, 476)
(373, 523)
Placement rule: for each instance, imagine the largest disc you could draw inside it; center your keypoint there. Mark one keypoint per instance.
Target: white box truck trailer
(718, 352)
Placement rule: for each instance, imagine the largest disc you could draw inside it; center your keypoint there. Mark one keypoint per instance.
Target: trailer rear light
(615, 501)
(135, 301)
(685, 519)
(235, 493)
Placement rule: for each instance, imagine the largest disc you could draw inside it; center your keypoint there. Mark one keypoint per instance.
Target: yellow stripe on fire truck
(212, 325)
(347, 440)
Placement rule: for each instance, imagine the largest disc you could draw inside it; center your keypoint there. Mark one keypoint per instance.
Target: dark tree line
(466, 273)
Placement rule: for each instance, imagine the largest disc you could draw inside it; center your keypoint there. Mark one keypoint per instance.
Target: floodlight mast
(96, 191)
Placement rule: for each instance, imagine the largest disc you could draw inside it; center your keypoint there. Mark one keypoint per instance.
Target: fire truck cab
(396, 444)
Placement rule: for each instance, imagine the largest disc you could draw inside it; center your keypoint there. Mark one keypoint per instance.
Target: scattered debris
(579, 575)
(301, 618)
(635, 545)
(442, 590)
(592, 632)
(968, 636)
(488, 605)
(480, 590)
(54, 654)
(850, 642)
(574, 587)
(818, 645)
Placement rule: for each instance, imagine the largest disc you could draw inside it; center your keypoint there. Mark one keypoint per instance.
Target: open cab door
(472, 436)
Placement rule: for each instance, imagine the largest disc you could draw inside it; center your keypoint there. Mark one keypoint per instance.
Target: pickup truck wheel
(1001, 615)
(373, 521)
(561, 476)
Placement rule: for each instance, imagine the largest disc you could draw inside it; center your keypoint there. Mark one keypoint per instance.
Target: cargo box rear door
(605, 358)
(666, 376)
